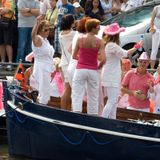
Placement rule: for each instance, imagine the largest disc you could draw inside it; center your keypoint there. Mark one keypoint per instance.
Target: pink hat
(29, 57)
(144, 56)
(113, 29)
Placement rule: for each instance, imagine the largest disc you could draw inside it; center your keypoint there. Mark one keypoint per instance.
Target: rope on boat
(67, 139)
(13, 111)
(82, 127)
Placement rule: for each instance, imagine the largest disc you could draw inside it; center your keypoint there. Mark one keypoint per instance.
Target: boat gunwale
(82, 127)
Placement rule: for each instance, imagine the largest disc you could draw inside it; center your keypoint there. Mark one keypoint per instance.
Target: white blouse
(111, 71)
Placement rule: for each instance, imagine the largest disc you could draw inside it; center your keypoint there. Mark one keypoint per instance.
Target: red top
(135, 81)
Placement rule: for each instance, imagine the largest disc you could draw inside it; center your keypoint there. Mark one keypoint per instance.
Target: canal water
(5, 156)
(4, 152)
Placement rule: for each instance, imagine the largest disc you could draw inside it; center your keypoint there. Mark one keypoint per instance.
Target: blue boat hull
(42, 132)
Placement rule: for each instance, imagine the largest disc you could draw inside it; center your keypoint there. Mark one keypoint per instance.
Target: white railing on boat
(82, 127)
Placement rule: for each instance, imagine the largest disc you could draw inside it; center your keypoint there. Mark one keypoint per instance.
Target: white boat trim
(82, 127)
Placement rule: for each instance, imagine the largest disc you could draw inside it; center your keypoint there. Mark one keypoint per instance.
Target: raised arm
(134, 49)
(153, 17)
(36, 40)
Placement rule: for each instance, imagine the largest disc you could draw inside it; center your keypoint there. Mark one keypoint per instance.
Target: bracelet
(29, 10)
(137, 46)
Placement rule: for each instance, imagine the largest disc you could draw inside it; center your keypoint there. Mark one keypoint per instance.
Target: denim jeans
(24, 42)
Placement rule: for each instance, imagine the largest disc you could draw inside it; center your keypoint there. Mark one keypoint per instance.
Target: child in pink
(123, 99)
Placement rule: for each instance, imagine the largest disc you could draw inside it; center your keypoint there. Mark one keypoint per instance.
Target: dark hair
(67, 21)
(81, 24)
(91, 23)
(89, 7)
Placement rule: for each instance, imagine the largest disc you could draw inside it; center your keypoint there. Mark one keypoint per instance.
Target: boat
(3, 130)
(39, 131)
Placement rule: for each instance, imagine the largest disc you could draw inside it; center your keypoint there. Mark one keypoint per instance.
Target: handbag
(5, 22)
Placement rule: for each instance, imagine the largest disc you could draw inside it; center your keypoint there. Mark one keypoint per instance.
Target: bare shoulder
(37, 41)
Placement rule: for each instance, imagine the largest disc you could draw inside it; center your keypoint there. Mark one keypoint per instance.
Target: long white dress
(43, 66)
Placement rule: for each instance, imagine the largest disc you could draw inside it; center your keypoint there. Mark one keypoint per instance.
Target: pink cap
(29, 57)
(144, 56)
(113, 29)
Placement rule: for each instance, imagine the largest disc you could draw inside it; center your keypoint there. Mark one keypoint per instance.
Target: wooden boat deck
(122, 114)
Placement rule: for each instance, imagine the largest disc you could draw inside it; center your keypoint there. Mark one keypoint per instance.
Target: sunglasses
(46, 30)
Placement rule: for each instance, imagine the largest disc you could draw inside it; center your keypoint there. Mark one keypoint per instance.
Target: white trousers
(71, 69)
(100, 96)
(81, 79)
(155, 45)
(110, 108)
(42, 76)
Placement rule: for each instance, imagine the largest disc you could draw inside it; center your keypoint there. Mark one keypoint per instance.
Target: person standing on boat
(137, 84)
(44, 69)
(111, 72)
(155, 98)
(88, 49)
(65, 40)
(155, 30)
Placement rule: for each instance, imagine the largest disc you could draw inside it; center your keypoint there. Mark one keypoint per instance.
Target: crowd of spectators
(15, 42)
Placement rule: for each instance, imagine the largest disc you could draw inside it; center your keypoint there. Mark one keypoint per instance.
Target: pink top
(87, 58)
(134, 81)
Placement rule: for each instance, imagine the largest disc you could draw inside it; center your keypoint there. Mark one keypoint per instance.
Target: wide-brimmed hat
(113, 29)
(144, 56)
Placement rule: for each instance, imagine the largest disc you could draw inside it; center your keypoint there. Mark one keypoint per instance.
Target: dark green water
(4, 152)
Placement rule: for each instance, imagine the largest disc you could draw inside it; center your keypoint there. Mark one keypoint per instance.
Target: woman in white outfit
(111, 72)
(44, 69)
(65, 39)
(155, 30)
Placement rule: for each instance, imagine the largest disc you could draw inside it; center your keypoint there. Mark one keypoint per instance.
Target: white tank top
(44, 53)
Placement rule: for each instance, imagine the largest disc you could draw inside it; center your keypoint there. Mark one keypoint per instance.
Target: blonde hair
(43, 24)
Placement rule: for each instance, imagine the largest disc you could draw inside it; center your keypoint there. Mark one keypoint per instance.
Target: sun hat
(144, 56)
(76, 4)
(113, 29)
